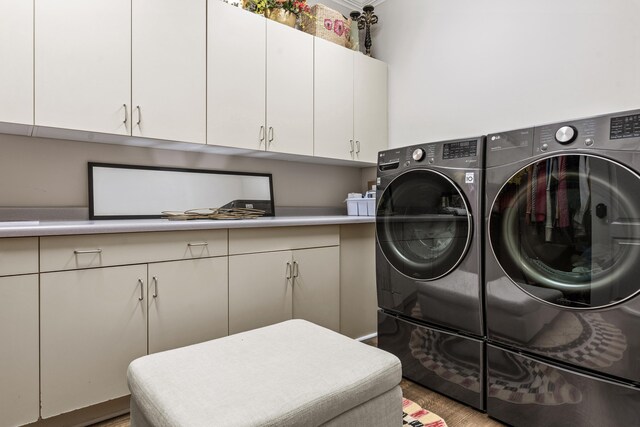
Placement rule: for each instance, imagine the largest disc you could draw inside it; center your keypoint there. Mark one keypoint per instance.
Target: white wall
(462, 68)
(38, 172)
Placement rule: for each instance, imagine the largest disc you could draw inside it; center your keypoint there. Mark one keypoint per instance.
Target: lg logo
(495, 137)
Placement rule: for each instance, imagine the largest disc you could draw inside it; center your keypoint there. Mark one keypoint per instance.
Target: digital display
(625, 127)
(458, 150)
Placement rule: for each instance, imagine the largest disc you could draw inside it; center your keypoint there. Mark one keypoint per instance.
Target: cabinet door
(83, 64)
(370, 108)
(19, 392)
(316, 286)
(16, 51)
(169, 69)
(289, 90)
(235, 77)
(259, 290)
(188, 302)
(92, 325)
(333, 101)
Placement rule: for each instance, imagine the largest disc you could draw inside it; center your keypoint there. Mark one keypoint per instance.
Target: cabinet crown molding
(358, 4)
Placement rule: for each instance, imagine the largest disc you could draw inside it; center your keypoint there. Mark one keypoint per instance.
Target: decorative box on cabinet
(284, 279)
(95, 321)
(19, 397)
(260, 83)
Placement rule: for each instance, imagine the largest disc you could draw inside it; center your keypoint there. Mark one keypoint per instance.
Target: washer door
(423, 224)
(566, 230)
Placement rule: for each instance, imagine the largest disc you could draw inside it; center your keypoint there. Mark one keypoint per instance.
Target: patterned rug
(416, 416)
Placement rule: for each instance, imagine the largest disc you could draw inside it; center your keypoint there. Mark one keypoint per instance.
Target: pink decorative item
(338, 27)
(328, 24)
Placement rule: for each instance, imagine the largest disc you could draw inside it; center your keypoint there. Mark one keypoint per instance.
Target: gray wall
(47, 172)
(465, 67)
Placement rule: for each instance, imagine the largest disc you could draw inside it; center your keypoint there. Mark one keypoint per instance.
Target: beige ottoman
(293, 373)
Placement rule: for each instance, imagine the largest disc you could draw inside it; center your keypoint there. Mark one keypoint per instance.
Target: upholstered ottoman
(293, 373)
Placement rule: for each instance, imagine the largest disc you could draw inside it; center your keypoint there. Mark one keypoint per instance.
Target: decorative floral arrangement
(297, 7)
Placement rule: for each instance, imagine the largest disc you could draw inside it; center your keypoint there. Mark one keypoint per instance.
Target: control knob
(566, 134)
(418, 154)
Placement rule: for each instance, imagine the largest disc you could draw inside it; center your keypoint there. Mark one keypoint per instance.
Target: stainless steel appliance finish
(428, 260)
(562, 269)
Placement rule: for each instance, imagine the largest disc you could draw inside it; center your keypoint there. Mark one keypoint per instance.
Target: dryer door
(566, 230)
(423, 224)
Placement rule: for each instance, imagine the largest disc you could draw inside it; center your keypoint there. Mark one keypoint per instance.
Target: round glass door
(566, 230)
(423, 224)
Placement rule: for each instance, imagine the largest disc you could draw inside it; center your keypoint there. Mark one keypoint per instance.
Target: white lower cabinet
(93, 323)
(271, 287)
(188, 302)
(19, 350)
(316, 286)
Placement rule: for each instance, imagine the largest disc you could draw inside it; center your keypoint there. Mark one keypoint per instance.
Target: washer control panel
(460, 149)
(625, 127)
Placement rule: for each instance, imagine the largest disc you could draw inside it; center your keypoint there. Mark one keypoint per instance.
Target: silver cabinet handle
(139, 115)
(155, 287)
(270, 135)
(126, 114)
(141, 283)
(352, 149)
(261, 134)
(296, 269)
(288, 277)
(88, 251)
(357, 147)
(193, 244)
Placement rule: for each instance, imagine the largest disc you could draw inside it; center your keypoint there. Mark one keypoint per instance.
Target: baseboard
(367, 337)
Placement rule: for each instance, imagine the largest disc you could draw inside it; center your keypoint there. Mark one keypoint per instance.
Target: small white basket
(361, 206)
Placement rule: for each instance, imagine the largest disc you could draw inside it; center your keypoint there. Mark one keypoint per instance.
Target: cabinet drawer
(249, 240)
(18, 256)
(99, 250)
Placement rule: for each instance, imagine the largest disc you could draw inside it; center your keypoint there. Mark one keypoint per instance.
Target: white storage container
(361, 206)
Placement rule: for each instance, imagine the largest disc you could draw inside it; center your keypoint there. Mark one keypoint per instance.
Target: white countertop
(59, 228)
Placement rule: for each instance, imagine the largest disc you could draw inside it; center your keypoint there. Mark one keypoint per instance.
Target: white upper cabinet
(16, 71)
(83, 65)
(169, 69)
(333, 100)
(289, 90)
(236, 86)
(370, 108)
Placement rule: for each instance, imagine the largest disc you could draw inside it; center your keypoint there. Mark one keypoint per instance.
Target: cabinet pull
(141, 297)
(261, 135)
(288, 277)
(155, 287)
(352, 149)
(296, 269)
(126, 115)
(139, 115)
(88, 251)
(357, 147)
(270, 135)
(192, 244)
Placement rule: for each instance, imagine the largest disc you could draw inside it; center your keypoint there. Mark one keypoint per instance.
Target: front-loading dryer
(563, 272)
(428, 264)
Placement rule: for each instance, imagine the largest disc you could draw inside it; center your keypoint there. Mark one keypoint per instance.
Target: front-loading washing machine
(562, 266)
(428, 262)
